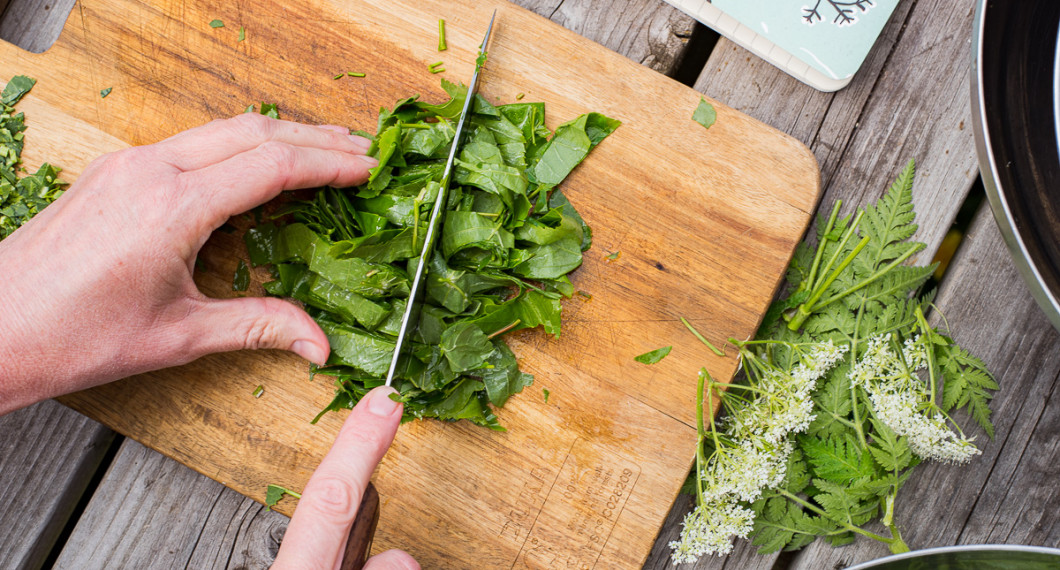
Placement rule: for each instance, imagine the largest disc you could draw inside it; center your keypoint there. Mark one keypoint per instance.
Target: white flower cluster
(709, 528)
(754, 450)
(901, 399)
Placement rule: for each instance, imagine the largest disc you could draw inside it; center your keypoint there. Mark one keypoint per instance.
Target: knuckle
(333, 498)
(261, 331)
(278, 154)
(254, 125)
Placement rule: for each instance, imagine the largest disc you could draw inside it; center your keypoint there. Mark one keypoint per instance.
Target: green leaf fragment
(705, 114)
(15, 89)
(259, 391)
(273, 494)
(653, 356)
(241, 279)
(217, 24)
(545, 393)
(242, 34)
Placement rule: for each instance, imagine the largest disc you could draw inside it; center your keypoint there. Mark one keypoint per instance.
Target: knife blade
(434, 225)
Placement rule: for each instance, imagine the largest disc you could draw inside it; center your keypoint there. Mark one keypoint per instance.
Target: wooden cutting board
(703, 223)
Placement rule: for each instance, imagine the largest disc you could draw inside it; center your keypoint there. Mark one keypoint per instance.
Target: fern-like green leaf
(889, 450)
(966, 384)
(890, 219)
(837, 459)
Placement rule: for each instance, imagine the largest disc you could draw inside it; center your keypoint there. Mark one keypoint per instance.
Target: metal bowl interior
(970, 557)
(1015, 107)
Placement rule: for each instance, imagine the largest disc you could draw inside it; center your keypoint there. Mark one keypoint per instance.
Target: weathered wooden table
(75, 495)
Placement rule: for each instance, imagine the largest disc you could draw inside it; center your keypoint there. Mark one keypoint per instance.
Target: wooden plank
(578, 431)
(910, 100)
(33, 25)
(152, 512)
(47, 455)
(650, 32)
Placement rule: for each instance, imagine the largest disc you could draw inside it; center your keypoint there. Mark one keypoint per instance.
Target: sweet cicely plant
(846, 388)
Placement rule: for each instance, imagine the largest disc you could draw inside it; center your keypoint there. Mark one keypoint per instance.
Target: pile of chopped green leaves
(509, 239)
(21, 198)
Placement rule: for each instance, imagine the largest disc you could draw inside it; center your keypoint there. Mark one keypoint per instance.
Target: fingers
(256, 176)
(220, 140)
(256, 322)
(392, 560)
(316, 537)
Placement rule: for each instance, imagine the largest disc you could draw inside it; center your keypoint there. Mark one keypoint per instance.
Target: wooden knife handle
(362, 531)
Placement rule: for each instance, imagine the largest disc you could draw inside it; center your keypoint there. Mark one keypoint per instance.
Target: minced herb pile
(509, 239)
(847, 388)
(21, 198)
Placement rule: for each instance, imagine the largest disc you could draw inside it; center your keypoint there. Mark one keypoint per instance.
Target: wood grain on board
(705, 222)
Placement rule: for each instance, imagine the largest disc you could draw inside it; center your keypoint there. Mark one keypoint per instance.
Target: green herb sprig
(846, 389)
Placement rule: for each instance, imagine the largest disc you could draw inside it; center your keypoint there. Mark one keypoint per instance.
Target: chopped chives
(354, 74)
(438, 70)
(339, 76)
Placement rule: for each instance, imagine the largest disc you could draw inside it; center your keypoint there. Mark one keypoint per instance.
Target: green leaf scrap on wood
(274, 493)
(705, 114)
(653, 356)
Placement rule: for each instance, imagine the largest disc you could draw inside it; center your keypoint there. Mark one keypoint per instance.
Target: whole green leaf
(465, 346)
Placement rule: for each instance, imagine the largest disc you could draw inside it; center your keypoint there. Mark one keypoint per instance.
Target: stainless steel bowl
(1016, 111)
(971, 557)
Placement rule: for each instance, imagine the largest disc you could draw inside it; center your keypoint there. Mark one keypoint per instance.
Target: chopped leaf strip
(259, 391)
(653, 356)
(217, 24)
(501, 263)
(545, 393)
(103, 94)
(242, 34)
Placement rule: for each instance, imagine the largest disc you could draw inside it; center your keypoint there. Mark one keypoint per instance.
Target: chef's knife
(408, 320)
(360, 540)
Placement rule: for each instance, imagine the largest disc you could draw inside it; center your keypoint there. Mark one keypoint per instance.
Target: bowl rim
(951, 549)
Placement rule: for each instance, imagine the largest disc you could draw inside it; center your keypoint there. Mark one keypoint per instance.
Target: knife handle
(363, 530)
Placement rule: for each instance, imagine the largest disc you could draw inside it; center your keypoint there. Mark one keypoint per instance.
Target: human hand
(98, 286)
(316, 537)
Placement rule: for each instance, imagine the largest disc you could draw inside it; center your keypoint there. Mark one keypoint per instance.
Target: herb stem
(506, 328)
(692, 329)
(929, 352)
(844, 524)
(839, 248)
(808, 307)
(441, 35)
(808, 281)
(701, 434)
(872, 278)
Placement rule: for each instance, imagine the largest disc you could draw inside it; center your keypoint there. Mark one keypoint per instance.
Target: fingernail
(379, 402)
(310, 351)
(360, 142)
(370, 161)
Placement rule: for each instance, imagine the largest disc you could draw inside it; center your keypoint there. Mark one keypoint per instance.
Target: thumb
(257, 322)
